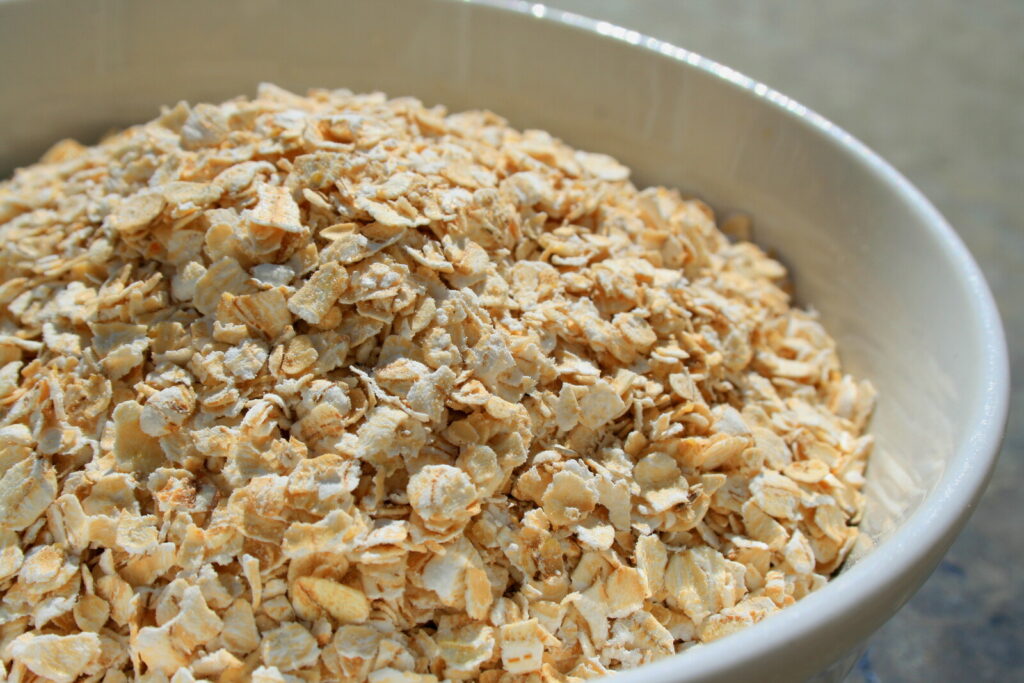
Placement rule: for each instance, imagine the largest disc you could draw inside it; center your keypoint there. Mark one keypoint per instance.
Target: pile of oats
(345, 388)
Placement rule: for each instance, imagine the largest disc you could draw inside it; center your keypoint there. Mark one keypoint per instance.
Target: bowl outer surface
(893, 283)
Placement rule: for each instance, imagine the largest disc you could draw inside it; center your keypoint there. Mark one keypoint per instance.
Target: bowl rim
(946, 508)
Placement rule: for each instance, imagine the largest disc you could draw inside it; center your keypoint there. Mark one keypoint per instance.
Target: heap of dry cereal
(342, 388)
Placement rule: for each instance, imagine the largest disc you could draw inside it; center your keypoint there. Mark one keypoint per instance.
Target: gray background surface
(936, 87)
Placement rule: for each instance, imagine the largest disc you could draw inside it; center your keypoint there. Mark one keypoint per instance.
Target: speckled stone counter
(937, 87)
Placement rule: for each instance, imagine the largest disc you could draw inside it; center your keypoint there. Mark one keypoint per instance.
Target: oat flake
(336, 387)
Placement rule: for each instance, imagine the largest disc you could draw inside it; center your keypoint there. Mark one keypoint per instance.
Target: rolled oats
(55, 657)
(338, 387)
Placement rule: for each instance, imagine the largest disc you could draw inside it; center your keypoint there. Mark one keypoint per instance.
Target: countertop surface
(936, 87)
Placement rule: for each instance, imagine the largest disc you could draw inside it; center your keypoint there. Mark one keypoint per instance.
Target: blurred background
(936, 87)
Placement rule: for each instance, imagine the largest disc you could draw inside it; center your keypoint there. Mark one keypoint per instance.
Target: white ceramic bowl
(894, 284)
